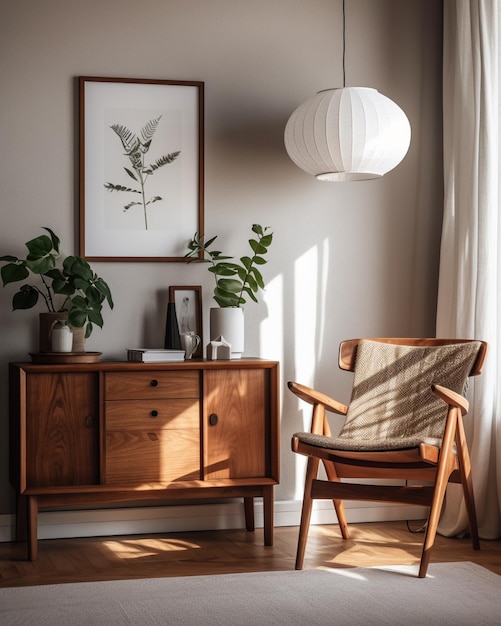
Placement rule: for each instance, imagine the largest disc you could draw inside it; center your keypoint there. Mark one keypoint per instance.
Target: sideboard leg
(32, 524)
(249, 513)
(21, 519)
(268, 504)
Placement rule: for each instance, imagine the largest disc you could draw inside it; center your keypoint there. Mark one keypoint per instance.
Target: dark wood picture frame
(188, 302)
(141, 168)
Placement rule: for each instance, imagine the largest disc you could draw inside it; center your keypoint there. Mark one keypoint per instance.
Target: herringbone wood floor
(221, 552)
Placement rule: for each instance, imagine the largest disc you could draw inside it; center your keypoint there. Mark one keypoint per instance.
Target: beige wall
(349, 259)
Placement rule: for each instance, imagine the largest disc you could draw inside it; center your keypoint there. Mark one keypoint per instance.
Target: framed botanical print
(141, 168)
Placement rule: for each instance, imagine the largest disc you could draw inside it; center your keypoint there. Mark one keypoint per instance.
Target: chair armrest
(316, 397)
(452, 398)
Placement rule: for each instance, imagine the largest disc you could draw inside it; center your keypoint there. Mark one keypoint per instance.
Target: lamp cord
(344, 45)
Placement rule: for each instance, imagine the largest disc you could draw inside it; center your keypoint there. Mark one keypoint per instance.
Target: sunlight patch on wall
(271, 339)
(311, 277)
(306, 291)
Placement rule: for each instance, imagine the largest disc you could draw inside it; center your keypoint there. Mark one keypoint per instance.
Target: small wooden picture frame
(188, 301)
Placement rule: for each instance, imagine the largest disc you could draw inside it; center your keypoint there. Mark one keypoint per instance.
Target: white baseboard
(168, 519)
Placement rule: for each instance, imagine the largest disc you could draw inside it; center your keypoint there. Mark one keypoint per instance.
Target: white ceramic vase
(46, 322)
(228, 322)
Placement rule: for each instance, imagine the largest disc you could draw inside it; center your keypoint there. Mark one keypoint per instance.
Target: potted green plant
(64, 284)
(234, 282)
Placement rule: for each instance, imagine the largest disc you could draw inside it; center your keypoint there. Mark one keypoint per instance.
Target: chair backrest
(348, 349)
(392, 397)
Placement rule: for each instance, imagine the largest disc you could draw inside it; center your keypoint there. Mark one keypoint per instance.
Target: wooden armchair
(404, 421)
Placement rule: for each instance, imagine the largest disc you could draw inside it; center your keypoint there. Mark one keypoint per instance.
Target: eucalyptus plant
(82, 291)
(234, 279)
(136, 147)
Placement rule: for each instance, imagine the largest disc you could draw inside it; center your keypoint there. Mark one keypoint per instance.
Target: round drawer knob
(154, 383)
(213, 418)
(154, 413)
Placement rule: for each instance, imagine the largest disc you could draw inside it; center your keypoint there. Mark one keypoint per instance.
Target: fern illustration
(136, 147)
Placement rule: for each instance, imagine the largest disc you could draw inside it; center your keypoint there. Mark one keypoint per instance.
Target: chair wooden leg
(330, 470)
(431, 530)
(311, 474)
(444, 470)
(467, 483)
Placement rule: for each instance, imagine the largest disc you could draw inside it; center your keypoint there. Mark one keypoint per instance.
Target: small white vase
(61, 338)
(228, 322)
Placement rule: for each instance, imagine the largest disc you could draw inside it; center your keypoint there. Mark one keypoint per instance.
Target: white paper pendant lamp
(350, 133)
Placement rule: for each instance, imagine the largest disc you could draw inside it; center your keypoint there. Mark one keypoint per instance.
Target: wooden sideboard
(112, 432)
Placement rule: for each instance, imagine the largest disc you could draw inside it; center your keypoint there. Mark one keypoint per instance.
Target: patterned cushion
(392, 404)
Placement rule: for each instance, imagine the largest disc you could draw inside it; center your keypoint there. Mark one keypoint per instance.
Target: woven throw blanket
(392, 397)
(392, 405)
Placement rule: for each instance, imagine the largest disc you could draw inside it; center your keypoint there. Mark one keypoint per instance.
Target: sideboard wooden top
(119, 366)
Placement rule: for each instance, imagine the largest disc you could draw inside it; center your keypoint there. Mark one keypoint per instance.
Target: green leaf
(41, 256)
(216, 255)
(104, 290)
(258, 277)
(225, 299)
(251, 295)
(95, 317)
(258, 260)
(79, 302)
(62, 286)
(25, 298)
(223, 269)
(94, 296)
(257, 247)
(210, 242)
(229, 285)
(54, 238)
(81, 284)
(252, 283)
(266, 240)
(246, 262)
(242, 274)
(13, 272)
(75, 265)
(77, 318)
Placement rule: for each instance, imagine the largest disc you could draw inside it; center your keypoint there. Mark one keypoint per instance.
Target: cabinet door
(62, 429)
(236, 416)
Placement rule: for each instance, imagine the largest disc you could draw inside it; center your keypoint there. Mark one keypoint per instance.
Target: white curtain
(470, 278)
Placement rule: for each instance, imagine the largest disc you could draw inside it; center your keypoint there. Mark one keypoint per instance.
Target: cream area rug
(454, 594)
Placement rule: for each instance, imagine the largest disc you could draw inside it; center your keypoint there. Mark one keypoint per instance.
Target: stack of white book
(152, 355)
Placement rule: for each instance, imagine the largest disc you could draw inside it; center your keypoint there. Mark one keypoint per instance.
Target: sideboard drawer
(151, 384)
(152, 426)
(152, 414)
(152, 456)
